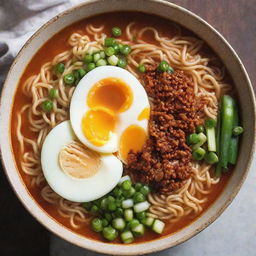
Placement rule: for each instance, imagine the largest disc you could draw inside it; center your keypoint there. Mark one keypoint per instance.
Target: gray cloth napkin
(19, 19)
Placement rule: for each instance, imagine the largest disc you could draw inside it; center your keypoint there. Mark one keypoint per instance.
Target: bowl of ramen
(125, 123)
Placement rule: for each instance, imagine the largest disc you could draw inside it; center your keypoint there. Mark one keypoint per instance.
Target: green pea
(163, 66)
(96, 225)
(90, 66)
(125, 50)
(116, 31)
(69, 79)
(88, 58)
(142, 68)
(59, 68)
(109, 41)
(53, 93)
(47, 106)
(109, 233)
(110, 51)
(122, 63)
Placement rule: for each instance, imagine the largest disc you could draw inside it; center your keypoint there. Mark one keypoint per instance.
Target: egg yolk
(97, 125)
(144, 114)
(111, 93)
(133, 138)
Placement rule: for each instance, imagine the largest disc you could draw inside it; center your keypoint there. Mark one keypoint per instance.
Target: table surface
(233, 233)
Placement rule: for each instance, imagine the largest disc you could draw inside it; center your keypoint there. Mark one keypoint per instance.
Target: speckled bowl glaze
(189, 21)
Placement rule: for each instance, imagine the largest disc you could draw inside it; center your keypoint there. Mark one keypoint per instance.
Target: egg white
(79, 107)
(74, 189)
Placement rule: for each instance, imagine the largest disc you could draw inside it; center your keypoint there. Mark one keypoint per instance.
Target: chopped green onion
(141, 215)
(118, 223)
(127, 237)
(211, 138)
(202, 139)
(88, 58)
(139, 230)
(126, 177)
(126, 185)
(69, 79)
(117, 192)
(109, 41)
(134, 223)
(110, 51)
(109, 233)
(131, 192)
(237, 130)
(211, 158)
(200, 128)
(101, 62)
(81, 72)
(163, 66)
(94, 209)
(116, 31)
(158, 226)
(122, 63)
(170, 70)
(227, 117)
(96, 57)
(128, 214)
(111, 206)
(125, 50)
(210, 123)
(138, 186)
(59, 68)
(115, 46)
(96, 225)
(90, 66)
(113, 60)
(145, 190)
(138, 197)
(53, 93)
(104, 222)
(142, 68)
(87, 206)
(108, 216)
(47, 106)
(102, 54)
(119, 212)
(192, 139)
(148, 221)
(128, 203)
(198, 154)
(141, 207)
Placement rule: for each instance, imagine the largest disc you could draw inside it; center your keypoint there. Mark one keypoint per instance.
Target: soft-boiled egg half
(74, 171)
(109, 111)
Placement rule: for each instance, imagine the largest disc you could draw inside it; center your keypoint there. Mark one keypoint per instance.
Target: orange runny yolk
(133, 138)
(106, 99)
(144, 114)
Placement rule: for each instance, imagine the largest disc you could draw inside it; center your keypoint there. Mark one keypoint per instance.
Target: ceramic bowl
(189, 21)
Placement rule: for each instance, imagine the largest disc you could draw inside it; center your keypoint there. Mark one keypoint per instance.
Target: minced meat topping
(165, 160)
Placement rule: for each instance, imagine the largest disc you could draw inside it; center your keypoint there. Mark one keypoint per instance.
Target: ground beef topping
(165, 160)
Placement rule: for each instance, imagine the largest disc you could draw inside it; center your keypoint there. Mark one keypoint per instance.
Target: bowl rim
(120, 246)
